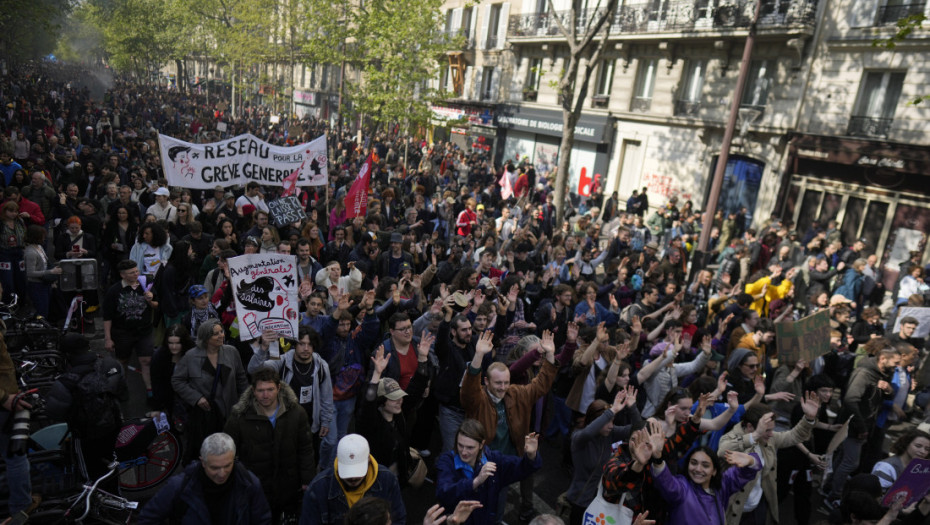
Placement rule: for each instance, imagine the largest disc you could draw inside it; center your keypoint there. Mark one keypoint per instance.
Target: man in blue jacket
(475, 472)
(216, 489)
(355, 475)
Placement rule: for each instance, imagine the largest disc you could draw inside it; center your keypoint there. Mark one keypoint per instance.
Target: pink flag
(506, 188)
(357, 197)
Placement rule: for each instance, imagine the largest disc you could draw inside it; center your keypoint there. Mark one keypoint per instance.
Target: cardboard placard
(808, 338)
(913, 484)
(286, 210)
(265, 291)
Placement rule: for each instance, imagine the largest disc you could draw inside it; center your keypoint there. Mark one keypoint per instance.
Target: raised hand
(619, 401)
(602, 336)
(380, 360)
(640, 519)
(547, 343)
(707, 345)
(738, 459)
(759, 384)
(766, 425)
(670, 414)
(810, 405)
(722, 383)
(463, 510)
(703, 402)
(478, 299)
(631, 394)
(656, 439)
(484, 344)
(571, 332)
(486, 472)
(426, 343)
(637, 324)
(513, 293)
(640, 447)
(733, 400)
(614, 305)
(368, 301)
(781, 396)
(623, 351)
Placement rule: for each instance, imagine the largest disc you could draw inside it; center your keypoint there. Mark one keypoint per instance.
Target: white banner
(265, 291)
(240, 160)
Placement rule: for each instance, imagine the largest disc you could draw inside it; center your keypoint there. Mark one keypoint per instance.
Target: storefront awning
(903, 158)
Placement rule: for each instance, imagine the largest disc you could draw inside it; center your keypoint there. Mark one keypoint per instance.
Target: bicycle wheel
(161, 459)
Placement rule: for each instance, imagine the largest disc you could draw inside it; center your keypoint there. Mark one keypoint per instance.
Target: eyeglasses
(752, 366)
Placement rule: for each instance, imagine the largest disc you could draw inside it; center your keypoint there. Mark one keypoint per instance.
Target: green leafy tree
(29, 28)
(394, 46)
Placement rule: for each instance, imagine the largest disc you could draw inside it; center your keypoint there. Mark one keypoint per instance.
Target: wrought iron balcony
(890, 14)
(687, 108)
(869, 126)
(671, 16)
(641, 104)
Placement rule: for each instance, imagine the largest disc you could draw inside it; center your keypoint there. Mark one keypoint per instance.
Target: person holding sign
(912, 444)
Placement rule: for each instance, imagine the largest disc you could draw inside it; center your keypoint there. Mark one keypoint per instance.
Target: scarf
(198, 316)
(356, 493)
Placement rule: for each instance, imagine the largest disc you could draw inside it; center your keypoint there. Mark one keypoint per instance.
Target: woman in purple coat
(700, 495)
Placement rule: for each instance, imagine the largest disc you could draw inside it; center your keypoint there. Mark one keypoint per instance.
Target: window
(303, 76)
(494, 19)
(756, 92)
(449, 16)
(692, 81)
(487, 83)
(878, 100)
(533, 77)
(645, 84)
(894, 10)
(605, 77)
(466, 22)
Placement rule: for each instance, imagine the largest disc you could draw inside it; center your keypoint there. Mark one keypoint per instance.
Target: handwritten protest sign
(912, 485)
(265, 291)
(807, 339)
(921, 314)
(239, 160)
(286, 210)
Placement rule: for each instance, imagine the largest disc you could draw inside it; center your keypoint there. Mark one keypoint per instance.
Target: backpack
(95, 411)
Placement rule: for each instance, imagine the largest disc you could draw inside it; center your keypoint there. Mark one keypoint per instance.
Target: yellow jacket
(771, 293)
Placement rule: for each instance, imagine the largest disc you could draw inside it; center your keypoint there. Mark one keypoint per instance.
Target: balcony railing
(671, 16)
(869, 126)
(641, 104)
(890, 14)
(687, 108)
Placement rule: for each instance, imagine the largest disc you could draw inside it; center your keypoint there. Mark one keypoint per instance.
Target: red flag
(357, 197)
(290, 182)
(584, 183)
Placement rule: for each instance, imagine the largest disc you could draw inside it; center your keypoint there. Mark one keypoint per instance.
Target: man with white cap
(354, 475)
(163, 209)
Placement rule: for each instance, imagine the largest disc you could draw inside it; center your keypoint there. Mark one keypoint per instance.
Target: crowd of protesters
(452, 327)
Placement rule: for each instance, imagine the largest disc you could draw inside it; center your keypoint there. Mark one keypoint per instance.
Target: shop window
(759, 81)
(852, 219)
(878, 100)
(645, 84)
(810, 206)
(692, 81)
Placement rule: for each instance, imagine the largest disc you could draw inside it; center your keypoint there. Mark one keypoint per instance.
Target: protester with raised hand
(499, 396)
(756, 434)
(700, 495)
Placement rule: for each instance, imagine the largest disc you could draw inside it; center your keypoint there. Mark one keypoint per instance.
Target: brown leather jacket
(518, 403)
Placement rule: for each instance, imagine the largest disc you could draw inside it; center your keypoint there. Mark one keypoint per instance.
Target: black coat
(280, 455)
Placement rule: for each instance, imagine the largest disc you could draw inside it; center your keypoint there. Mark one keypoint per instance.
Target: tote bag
(602, 512)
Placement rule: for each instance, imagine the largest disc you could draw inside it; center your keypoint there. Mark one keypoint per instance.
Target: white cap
(353, 456)
(162, 191)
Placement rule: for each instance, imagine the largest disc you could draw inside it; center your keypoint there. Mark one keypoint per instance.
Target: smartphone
(75, 248)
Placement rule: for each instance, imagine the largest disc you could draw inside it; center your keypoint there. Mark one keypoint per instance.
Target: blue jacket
(454, 484)
(353, 350)
(852, 285)
(325, 503)
(184, 494)
(599, 315)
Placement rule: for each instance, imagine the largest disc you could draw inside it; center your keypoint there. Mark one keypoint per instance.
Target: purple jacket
(690, 504)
